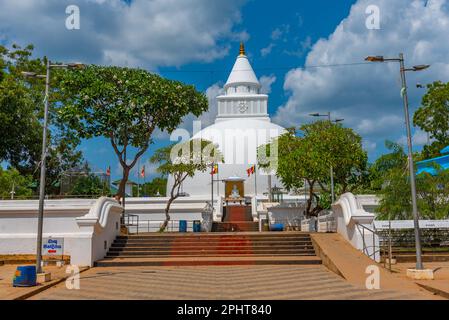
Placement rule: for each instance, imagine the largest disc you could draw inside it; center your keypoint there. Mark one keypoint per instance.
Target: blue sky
(196, 41)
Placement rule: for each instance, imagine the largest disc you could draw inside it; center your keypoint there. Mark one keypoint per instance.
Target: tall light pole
(328, 115)
(403, 70)
(40, 219)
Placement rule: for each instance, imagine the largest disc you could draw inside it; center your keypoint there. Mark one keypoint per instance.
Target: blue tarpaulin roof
(429, 165)
(445, 150)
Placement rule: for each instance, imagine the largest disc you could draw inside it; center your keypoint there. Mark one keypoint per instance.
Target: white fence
(327, 223)
(87, 227)
(409, 224)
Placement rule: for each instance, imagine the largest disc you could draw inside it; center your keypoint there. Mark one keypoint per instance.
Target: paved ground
(441, 273)
(8, 292)
(218, 282)
(338, 255)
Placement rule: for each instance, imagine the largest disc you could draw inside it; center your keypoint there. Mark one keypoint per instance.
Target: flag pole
(255, 181)
(138, 179)
(218, 181)
(212, 186)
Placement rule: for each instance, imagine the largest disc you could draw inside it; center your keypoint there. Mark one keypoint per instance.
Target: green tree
(433, 117)
(309, 156)
(90, 185)
(379, 170)
(393, 180)
(125, 106)
(12, 180)
(181, 161)
(153, 187)
(21, 113)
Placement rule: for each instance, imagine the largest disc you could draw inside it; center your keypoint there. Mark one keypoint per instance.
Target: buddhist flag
(251, 170)
(142, 172)
(108, 171)
(214, 169)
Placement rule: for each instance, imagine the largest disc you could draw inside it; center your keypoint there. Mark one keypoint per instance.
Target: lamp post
(403, 70)
(328, 115)
(40, 219)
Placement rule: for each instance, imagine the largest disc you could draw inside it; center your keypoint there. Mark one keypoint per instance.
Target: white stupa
(241, 126)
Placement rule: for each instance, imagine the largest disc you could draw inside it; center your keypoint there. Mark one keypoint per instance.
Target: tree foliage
(90, 185)
(433, 117)
(393, 180)
(153, 187)
(184, 160)
(21, 114)
(11, 180)
(125, 106)
(309, 156)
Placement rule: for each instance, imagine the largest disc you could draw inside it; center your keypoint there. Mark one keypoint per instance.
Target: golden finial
(242, 49)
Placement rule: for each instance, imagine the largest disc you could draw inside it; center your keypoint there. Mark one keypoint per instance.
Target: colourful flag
(108, 171)
(142, 172)
(251, 170)
(214, 169)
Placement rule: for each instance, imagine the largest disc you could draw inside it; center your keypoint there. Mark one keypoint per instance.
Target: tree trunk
(167, 214)
(309, 201)
(122, 186)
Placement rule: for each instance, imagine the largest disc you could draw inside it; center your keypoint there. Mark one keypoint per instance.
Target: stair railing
(363, 230)
(134, 221)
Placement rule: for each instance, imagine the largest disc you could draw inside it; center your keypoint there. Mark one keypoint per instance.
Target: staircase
(236, 219)
(211, 249)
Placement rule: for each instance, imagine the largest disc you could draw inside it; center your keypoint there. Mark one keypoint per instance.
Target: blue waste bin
(196, 226)
(25, 276)
(183, 226)
(277, 227)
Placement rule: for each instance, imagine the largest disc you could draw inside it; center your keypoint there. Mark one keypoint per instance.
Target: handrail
(366, 247)
(146, 225)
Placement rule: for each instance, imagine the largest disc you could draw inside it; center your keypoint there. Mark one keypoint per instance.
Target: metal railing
(151, 226)
(366, 248)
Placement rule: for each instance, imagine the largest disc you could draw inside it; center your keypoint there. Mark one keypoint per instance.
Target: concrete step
(208, 247)
(210, 252)
(152, 256)
(211, 243)
(215, 239)
(168, 235)
(209, 261)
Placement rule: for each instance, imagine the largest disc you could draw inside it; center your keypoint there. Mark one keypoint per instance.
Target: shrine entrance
(237, 214)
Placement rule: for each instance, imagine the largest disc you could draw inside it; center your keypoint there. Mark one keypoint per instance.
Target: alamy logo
(373, 280)
(73, 281)
(372, 22)
(72, 22)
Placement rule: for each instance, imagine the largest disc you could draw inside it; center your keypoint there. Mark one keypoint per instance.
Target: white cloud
(280, 32)
(267, 50)
(368, 96)
(143, 33)
(266, 82)
(420, 138)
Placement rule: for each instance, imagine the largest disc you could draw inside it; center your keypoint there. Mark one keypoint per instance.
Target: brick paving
(217, 282)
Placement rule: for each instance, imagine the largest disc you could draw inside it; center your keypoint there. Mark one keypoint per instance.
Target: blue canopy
(429, 165)
(445, 150)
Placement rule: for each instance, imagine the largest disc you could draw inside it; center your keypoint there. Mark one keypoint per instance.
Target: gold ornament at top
(242, 49)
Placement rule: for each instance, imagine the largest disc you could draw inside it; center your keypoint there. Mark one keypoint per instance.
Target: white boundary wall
(351, 218)
(87, 226)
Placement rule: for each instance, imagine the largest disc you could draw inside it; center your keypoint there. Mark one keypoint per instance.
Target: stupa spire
(242, 49)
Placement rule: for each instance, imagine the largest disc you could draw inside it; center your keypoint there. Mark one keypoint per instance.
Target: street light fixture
(40, 219)
(403, 70)
(328, 115)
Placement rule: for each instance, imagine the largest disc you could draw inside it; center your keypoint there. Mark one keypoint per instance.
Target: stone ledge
(425, 274)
